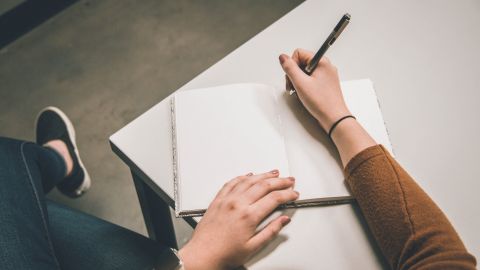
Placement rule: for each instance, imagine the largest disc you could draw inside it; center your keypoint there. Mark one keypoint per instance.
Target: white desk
(423, 59)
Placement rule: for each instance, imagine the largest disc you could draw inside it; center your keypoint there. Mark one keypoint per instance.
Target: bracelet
(338, 122)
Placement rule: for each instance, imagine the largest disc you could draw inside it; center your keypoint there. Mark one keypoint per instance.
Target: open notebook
(225, 131)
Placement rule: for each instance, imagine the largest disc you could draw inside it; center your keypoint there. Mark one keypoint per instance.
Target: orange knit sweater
(410, 229)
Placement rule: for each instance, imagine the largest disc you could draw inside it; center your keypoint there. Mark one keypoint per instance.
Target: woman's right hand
(320, 93)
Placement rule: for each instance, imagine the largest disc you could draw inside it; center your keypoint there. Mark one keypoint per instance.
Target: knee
(9, 155)
(7, 144)
(9, 148)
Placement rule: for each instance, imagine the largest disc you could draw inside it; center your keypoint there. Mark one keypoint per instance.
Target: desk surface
(423, 59)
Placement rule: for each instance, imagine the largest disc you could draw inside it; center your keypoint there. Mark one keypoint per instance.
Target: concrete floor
(106, 62)
(6, 5)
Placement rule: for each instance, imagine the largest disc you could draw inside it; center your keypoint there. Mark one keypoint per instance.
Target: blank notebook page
(223, 132)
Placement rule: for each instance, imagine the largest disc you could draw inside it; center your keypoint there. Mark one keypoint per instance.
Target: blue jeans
(36, 233)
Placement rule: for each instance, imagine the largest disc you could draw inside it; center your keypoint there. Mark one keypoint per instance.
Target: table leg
(156, 213)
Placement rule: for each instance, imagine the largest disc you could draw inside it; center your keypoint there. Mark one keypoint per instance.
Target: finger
(288, 84)
(325, 60)
(264, 206)
(230, 185)
(264, 187)
(268, 233)
(251, 180)
(293, 71)
(323, 64)
(302, 57)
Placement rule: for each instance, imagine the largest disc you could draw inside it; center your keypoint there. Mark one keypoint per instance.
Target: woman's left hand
(226, 236)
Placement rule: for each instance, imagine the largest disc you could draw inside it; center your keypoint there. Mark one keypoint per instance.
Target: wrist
(195, 260)
(189, 261)
(339, 121)
(343, 128)
(327, 120)
(350, 138)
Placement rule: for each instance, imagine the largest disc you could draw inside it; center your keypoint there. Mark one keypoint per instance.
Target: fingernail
(282, 58)
(274, 171)
(298, 193)
(292, 178)
(249, 174)
(286, 220)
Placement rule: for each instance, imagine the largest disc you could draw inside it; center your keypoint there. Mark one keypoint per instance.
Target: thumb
(291, 68)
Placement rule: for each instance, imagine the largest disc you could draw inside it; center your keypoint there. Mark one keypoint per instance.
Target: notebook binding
(175, 157)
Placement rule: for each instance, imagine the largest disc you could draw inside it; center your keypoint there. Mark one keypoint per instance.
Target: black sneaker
(53, 124)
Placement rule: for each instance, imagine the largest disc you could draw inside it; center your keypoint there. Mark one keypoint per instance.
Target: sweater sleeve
(410, 229)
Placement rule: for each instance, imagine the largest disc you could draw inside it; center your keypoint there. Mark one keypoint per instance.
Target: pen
(330, 40)
(326, 201)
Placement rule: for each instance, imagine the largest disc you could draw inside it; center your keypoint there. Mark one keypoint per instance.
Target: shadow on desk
(277, 241)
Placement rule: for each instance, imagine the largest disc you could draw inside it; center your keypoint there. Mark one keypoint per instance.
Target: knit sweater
(410, 229)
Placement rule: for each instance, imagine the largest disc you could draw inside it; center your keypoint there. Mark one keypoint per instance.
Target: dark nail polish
(249, 174)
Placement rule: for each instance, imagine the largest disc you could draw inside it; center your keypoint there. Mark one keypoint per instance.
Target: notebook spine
(174, 157)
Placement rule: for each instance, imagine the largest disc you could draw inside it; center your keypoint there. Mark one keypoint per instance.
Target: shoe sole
(71, 133)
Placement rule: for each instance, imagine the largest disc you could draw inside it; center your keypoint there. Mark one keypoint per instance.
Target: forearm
(350, 138)
(410, 229)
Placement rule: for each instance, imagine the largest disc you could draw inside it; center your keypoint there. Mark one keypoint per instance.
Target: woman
(409, 228)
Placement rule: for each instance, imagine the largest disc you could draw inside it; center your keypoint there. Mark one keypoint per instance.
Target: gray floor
(106, 62)
(6, 5)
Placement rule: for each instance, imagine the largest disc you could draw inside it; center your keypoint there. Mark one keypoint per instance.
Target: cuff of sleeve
(362, 157)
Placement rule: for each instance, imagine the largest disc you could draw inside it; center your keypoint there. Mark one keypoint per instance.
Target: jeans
(36, 233)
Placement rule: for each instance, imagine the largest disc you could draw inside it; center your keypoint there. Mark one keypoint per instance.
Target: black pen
(325, 201)
(330, 40)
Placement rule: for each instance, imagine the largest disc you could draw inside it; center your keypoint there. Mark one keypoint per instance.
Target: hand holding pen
(312, 63)
(318, 89)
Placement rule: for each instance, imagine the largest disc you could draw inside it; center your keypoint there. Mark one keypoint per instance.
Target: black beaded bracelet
(338, 122)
